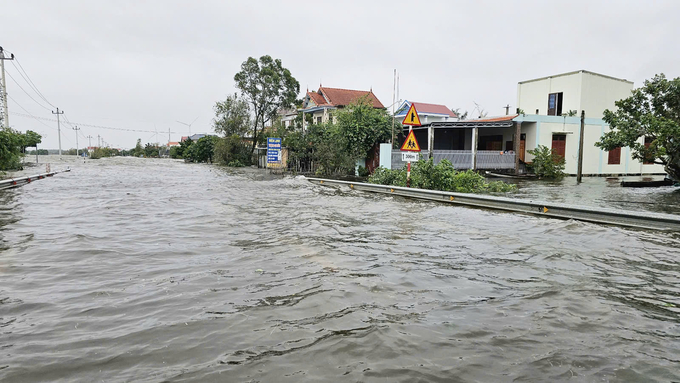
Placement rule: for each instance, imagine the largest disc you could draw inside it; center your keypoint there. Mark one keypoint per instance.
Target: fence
(462, 159)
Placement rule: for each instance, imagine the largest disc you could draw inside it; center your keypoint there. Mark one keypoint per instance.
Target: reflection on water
(156, 270)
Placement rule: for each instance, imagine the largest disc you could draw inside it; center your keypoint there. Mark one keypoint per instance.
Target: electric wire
(37, 118)
(29, 113)
(100, 126)
(28, 80)
(24, 90)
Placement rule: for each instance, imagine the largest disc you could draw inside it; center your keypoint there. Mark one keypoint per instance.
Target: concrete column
(515, 146)
(430, 140)
(475, 135)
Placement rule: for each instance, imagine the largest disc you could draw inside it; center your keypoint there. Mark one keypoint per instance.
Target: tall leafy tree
(10, 148)
(267, 86)
(361, 126)
(232, 116)
(30, 139)
(652, 112)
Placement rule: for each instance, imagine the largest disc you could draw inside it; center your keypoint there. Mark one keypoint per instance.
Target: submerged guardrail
(21, 181)
(645, 220)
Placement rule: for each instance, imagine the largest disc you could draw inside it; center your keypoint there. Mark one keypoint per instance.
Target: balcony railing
(462, 159)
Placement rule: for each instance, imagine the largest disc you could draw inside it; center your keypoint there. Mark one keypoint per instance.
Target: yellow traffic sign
(410, 144)
(411, 117)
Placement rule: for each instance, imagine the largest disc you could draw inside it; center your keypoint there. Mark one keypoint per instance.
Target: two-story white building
(550, 110)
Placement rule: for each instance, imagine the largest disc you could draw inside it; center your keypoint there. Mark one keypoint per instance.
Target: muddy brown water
(159, 271)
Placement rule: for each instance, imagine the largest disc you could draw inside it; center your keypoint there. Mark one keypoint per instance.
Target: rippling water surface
(160, 271)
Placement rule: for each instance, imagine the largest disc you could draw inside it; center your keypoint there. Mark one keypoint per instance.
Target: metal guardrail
(21, 181)
(643, 220)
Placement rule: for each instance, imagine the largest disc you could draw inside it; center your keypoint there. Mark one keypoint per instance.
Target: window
(648, 141)
(559, 144)
(555, 104)
(318, 120)
(614, 156)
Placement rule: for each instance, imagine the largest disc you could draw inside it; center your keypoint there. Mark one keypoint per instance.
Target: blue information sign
(273, 150)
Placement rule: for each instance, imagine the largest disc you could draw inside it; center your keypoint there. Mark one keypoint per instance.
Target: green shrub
(363, 172)
(232, 148)
(10, 149)
(235, 164)
(547, 163)
(426, 175)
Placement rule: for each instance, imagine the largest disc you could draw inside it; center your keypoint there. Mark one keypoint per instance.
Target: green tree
(547, 163)
(11, 143)
(203, 150)
(267, 86)
(361, 126)
(232, 116)
(232, 149)
(151, 150)
(138, 149)
(30, 139)
(652, 112)
(175, 152)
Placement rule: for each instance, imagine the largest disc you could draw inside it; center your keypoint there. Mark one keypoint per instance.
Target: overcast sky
(144, 65)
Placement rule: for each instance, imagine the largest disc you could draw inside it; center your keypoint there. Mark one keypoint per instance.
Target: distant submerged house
(321, 103)
(428, 113)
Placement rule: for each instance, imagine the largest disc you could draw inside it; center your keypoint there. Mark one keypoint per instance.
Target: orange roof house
(323, 101)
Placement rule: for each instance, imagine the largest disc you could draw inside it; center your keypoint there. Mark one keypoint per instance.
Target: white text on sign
(410, 156)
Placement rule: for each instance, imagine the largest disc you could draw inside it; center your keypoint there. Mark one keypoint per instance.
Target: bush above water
(443, 177)
(547, 163)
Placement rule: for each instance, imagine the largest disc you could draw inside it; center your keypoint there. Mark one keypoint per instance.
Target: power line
(29, 113)
(35, 118)
(97, 126)
(28, 80)
(24, 90)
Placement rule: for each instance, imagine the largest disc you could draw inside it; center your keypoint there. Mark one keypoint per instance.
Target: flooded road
(158, 271)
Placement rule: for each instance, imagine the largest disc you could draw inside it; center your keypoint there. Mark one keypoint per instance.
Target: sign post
(410, 145)
(273, 152)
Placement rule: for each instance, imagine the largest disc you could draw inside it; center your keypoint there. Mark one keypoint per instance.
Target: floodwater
(158, 271)
(605, 193)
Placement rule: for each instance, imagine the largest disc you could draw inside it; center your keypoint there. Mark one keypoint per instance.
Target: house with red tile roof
(322, 102)
(428, 113)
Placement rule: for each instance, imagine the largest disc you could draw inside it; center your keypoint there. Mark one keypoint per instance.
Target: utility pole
(3, 92)
(76, 129)
(394, 94)
(59, 129)
(579, 172)
(89, 144)
(98, 140)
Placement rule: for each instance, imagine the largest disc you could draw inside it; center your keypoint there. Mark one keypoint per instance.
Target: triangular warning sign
(411, 144)
(411, 117)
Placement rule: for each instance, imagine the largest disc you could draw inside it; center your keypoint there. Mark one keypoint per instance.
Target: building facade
(550, 115)
(552, 108)
(323, 102)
